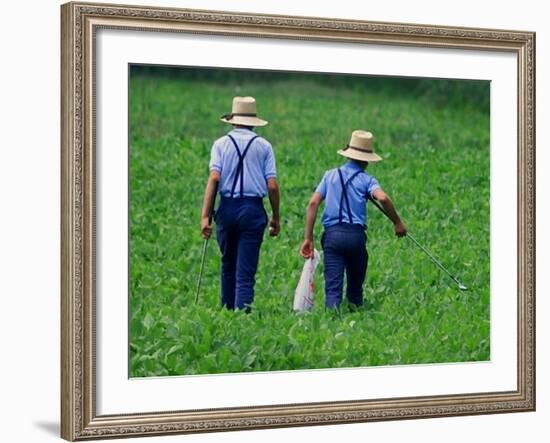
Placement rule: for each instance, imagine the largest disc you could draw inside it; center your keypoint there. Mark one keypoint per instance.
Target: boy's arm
(208, 203)
(387, 204)
(311, 214)
(274, 199)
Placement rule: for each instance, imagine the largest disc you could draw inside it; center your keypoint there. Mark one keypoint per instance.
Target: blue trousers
(344, 249)
(240, 226)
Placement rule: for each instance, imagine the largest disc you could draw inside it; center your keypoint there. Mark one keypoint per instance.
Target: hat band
(369, 150)
(237, 114)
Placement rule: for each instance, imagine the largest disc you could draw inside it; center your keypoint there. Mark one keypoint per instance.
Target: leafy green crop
(435, 168)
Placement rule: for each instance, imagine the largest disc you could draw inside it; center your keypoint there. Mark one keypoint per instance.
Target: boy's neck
(249, 128)
(362, 164)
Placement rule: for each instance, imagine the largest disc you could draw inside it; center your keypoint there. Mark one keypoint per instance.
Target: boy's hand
(306, 250)
(206, 228)
(274, 227)
(400, 229)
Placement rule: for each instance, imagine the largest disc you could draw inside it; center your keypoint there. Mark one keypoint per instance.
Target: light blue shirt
(259, 163)
(358, 190)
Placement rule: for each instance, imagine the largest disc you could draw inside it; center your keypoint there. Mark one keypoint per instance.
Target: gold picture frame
(79, 22)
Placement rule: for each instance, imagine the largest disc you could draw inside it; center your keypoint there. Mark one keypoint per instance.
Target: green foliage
(434, 138)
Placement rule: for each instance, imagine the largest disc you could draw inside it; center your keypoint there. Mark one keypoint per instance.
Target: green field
(434, 138)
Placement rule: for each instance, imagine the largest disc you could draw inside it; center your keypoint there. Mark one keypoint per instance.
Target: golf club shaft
(435, 260)
(432, 258)
(201, 270)
(205, 245)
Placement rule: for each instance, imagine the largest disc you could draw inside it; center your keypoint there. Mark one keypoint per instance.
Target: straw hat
(243, 112)
(360, 147)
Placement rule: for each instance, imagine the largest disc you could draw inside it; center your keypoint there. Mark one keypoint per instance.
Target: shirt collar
(242, 130)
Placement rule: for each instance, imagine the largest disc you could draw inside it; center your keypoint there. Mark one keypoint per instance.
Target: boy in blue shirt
(242, 169)
(346, 191)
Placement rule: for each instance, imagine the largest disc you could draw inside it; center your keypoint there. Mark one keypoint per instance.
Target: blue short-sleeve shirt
(358, 190)
(259, 163)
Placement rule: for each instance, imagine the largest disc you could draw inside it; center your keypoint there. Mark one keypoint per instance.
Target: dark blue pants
(344, 249)
(240, 226)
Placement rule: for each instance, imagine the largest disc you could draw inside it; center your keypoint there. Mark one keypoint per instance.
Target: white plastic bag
(303, 296)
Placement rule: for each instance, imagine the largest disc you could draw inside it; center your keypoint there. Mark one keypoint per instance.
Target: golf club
(432, 258)
(203, 257)
(204, 247)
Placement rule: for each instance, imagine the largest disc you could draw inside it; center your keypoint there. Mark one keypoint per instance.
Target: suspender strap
(239, 173)
(344, 196)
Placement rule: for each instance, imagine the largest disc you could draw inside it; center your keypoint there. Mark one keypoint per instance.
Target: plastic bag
(303, 296)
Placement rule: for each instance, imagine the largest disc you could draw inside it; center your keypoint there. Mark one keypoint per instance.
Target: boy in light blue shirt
(242, 169)
(346, 191)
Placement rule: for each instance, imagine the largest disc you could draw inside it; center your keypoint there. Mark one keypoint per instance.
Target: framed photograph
(277, 221)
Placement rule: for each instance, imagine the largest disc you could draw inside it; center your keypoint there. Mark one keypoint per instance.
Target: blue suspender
(240, 166)
(344, 195)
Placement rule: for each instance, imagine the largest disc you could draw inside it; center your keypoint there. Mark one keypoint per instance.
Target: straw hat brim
(244, 120)
(355, 154)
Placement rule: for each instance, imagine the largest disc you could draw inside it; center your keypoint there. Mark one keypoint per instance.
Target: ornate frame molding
(80, 21)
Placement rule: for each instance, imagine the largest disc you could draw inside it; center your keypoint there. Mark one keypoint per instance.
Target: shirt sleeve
(322, 186)
(372, 186)
(270, 170)
(215, 158)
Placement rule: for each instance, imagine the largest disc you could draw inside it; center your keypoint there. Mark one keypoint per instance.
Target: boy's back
(259, 163)
(359, 187)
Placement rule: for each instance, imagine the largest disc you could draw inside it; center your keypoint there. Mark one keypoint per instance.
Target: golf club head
(462, 287)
